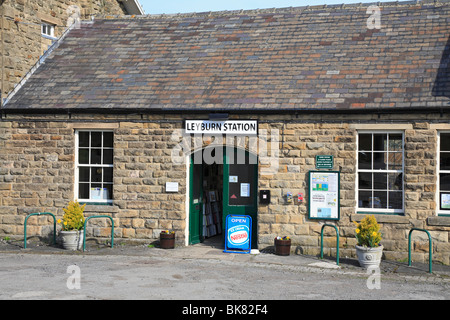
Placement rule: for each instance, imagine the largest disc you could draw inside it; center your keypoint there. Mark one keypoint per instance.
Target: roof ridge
(308, 8)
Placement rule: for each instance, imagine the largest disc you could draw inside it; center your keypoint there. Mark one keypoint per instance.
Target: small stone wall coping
(439, 221)
(382, 218)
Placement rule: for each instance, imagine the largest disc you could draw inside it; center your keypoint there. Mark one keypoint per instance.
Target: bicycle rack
(38, 214)
(85, 224)
(430, 248)
(337, 244)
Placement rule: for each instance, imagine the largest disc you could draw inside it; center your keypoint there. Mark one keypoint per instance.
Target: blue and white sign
(238, 234)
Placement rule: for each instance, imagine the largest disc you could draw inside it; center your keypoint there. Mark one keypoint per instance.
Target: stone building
(294, 116)
(29, 27)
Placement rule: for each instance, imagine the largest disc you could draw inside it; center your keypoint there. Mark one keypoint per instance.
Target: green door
(195, 203)
(240, 177)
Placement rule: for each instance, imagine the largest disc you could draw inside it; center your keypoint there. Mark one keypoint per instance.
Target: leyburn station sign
(232, 127)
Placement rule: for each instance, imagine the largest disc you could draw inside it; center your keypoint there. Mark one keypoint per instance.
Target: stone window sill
(383, 218)
(101, 208)
(439, 221)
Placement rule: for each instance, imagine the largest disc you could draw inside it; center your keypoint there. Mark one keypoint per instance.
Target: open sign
(238, 231)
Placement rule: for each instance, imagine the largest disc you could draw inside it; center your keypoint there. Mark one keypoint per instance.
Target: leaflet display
(324, 195)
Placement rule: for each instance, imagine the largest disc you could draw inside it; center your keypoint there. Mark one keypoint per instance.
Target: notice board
(238, 233)
(324, 193)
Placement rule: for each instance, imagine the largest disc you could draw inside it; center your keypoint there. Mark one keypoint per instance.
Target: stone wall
(22, 41)
(37, 175)
(304, 140)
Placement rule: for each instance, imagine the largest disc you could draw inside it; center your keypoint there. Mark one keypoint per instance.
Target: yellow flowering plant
(368, 232)
(73, 218)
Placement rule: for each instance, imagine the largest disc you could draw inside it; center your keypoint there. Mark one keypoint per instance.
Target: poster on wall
(99, 194)
(445, 201)
(324, 195)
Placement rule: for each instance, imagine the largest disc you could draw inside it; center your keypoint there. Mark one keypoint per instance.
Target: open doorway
(206, 201)
(213, 203)
(220, 188)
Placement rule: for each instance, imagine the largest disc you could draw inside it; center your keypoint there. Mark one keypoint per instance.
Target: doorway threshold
(213, 242)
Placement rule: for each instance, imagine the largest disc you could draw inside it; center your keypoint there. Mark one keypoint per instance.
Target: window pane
(363, 199)
(444, 202)
(395, 200)
(445, 141)
(109, 190)
(96, 156)
(379, 160)
(379, 142)
(83, 156)
(107, 156)
(395, 181)
(379, 199)
(365, 180)
(96, 174)
(364, 160)
(395, 142)
(107, 139)
(96, 192)
(84, 174)
(83, 191)
(108, 174)
(83, 139)
(96, 139)
(444, 182)
(444, 161)
(365, 142)
(380, 181)
(395, 160)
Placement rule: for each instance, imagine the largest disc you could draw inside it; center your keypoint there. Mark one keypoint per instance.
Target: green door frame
(250, 210)
(196, 209)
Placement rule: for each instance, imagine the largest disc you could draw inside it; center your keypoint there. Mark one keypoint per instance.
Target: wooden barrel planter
(167, 240)
(282, 247)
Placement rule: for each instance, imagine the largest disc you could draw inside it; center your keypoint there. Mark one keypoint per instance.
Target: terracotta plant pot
(282, 247)
(167, 240)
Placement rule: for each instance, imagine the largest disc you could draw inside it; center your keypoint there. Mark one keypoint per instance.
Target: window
(94, 166)
(380, 172)
(444, 173)
(47, 30)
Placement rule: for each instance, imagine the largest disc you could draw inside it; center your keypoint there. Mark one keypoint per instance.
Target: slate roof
(321, 58)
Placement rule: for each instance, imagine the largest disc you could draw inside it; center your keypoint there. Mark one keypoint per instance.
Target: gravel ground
(201, 272)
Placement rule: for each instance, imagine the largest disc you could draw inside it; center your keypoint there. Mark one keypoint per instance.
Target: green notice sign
(324, 162)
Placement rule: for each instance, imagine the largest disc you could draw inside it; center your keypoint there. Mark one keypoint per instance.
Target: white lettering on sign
(247, 127)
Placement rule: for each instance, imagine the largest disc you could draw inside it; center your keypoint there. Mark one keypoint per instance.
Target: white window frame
(439, 171)
(380, 210)
(78, 165)
(48, 30)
